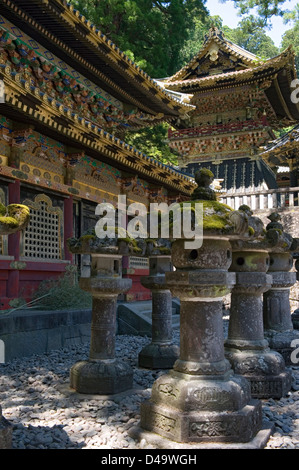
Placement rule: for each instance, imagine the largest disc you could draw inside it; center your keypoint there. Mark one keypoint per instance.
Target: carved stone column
(295, 314)
(161, 353)
(279, 330)
(278, 326)
(5, 432)
(246, 348)
(201, 401)
(102, 373)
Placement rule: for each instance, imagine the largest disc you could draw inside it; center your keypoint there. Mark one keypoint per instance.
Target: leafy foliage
(291, 36)
(150, 32)
(251, 36)
(264, 9)
(162, 36)
(152, 142)
(62, 293)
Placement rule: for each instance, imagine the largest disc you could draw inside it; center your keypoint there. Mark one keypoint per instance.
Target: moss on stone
(207, 172)
(9, 222)
(87, 237)
(13, 218)
(2, 209)
(19, 212)
(215, 216)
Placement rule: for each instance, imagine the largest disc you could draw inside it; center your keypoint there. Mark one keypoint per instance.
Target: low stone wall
(23, 333)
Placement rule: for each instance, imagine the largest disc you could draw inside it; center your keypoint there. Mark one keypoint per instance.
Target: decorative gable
(217, 55)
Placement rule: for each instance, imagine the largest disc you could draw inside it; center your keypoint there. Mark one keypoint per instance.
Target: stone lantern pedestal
(279, 330)
(246, 348)
(201, 400)
(5, 432)
(278, 326)
(103, 373)
(295, 314)
(161, 353)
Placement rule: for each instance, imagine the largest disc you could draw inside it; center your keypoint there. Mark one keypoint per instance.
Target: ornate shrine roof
(215, 37)
(221, 64)
(79, 43)
(45, 97)
(280, 151)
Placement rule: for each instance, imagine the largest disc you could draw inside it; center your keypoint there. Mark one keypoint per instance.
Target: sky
(228, 13)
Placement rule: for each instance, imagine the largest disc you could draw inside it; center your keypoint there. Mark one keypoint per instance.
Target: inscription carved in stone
(207, 396)
(213, 428)
(162, 422)
(169, 390)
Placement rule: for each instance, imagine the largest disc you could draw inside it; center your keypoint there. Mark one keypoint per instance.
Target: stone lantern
(246, 347)
(278, 326)
(295, 314)
(102, 373)
(13, 218)
(200, 401)
(161, 353)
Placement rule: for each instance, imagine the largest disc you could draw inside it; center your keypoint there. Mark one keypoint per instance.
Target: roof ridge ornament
(213, 32)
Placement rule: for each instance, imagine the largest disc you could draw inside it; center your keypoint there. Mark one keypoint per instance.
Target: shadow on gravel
(43, 437)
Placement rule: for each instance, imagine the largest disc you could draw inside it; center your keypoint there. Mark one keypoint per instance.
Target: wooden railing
(263, 199)
(216, 129)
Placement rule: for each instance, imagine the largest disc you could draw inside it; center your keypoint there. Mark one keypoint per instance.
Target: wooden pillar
(12, 290)
(293, 172)
(68, 226)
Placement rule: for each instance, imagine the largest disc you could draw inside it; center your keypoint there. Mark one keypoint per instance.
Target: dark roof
(240, 173)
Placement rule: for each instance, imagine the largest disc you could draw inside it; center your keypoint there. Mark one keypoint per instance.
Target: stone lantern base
(246, 348)
(102, 373)
(158, 356)
(193, 410)
(104, 377)
(265, 370)
(161, 353)
(5, 433)
(201, 400)
(295, 319)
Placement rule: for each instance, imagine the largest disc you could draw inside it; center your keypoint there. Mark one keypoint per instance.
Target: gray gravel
(46, 414)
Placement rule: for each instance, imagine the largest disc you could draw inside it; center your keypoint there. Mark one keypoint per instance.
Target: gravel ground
(46, 414)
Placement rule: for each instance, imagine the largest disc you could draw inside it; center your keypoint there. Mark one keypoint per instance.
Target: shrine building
(240, 100)
(283, 153)
(69, 91)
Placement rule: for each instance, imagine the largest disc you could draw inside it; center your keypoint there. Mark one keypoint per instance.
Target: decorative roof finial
(213, 32)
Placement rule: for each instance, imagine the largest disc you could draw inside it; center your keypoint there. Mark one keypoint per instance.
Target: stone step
(135, 318)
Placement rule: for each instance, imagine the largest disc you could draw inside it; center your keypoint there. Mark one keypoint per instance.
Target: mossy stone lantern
(102, 373)
(200, 401)
(278, 325)
(161, 353)
(246, 346)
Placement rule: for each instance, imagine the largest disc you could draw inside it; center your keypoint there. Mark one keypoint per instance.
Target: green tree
(195, 38)
(291, 36)
(153, 142)
(151, 32)
(250, 35)
(263, 9)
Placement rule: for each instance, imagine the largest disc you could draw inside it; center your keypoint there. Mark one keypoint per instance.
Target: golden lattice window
(43, 236)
